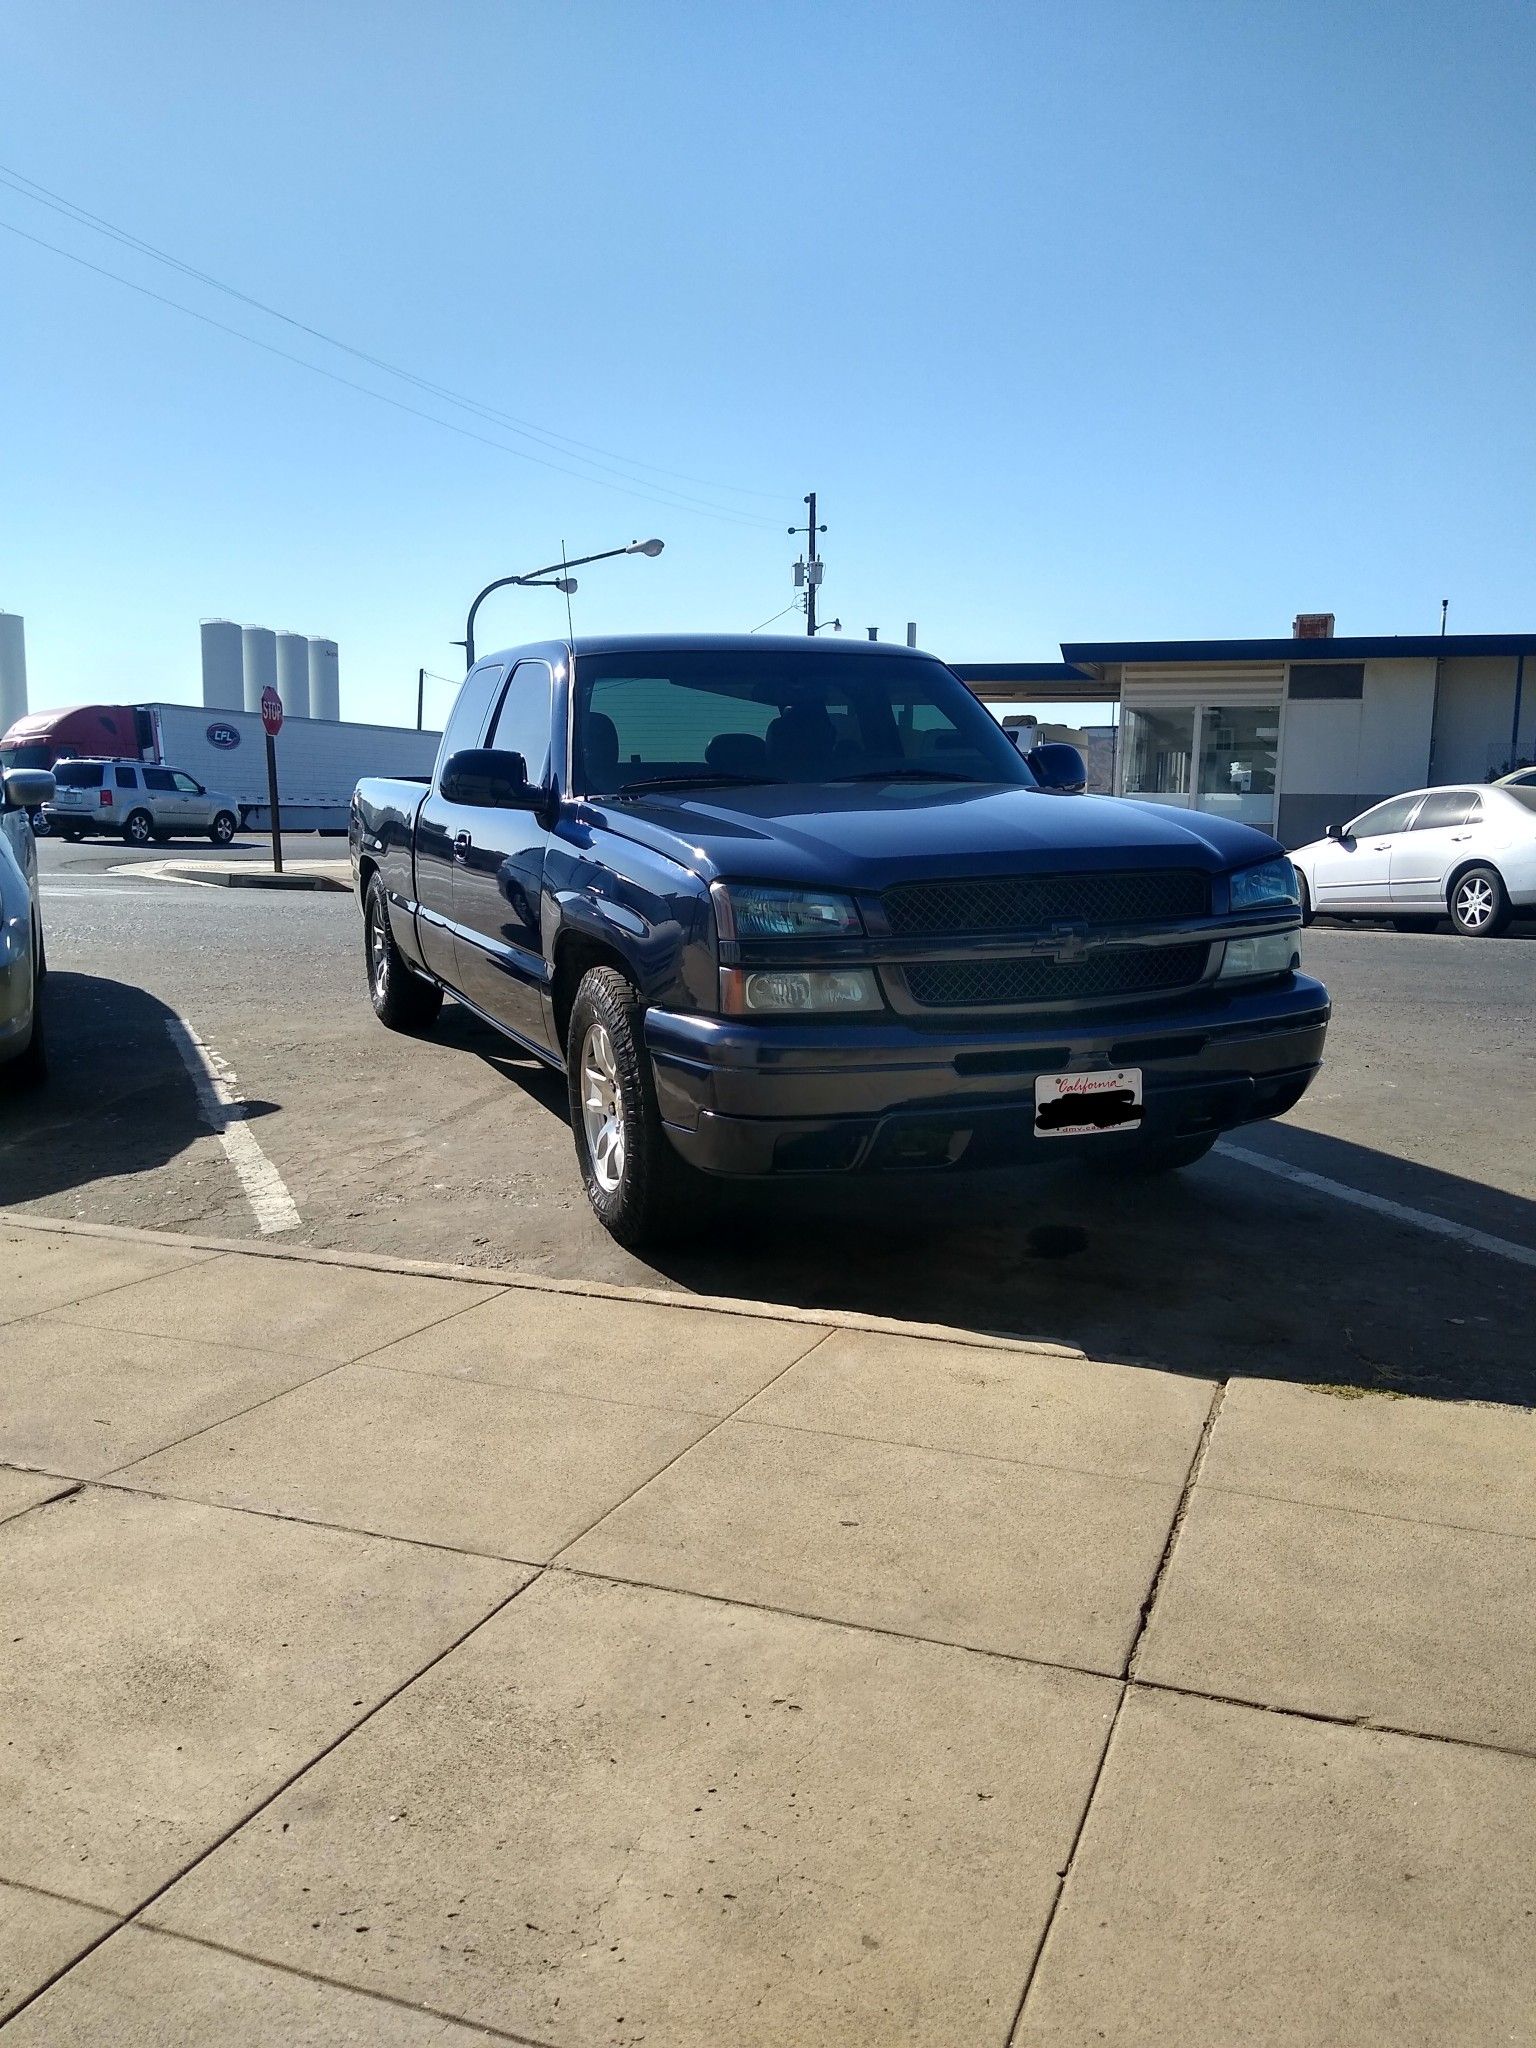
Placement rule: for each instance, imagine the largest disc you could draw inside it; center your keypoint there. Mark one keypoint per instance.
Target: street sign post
(272, 719)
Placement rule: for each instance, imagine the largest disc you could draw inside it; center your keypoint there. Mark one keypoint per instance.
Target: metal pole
(277, 823)
(1514, 730)
(421, 691)
(810, 574)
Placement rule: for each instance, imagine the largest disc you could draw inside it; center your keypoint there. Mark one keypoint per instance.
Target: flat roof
(1368, 647)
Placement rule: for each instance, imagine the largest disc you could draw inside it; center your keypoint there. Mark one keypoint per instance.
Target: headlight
(781, 991)
(1270, 953)
(1271, 883)
(758, 910)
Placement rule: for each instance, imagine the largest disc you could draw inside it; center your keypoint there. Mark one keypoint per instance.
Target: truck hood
(869, 835)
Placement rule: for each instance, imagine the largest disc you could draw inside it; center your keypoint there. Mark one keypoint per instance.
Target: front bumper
(740, 1097)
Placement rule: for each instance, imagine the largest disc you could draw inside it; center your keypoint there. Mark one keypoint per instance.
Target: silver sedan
(1467, 852)
(22, 1058)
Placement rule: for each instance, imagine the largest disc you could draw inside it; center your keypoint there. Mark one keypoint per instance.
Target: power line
(792, 606)
(655, 496)
(28, 188)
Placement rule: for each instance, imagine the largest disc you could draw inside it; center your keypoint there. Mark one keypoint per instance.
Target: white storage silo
(324, 684)
(258, 657)
(293, 674)
(13, 669)
(223, 666)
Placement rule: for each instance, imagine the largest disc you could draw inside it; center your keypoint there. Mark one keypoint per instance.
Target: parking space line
(1419, 1219)
(218, 1096)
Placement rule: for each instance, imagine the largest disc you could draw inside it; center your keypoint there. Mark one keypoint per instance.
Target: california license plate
(1082, 1105)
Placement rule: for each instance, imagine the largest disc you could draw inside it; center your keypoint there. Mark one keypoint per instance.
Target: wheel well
(366, 870)
(577, 954)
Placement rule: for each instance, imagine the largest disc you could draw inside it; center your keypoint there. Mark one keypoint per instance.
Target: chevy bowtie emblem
(1069, 941)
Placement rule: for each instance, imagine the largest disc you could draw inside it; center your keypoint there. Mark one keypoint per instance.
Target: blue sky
(1085, 320)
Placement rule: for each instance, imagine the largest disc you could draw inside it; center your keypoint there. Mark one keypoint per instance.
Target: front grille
(1007, 903)
(1124, 971)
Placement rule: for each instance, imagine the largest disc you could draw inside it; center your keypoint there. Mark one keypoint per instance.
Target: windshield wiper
(710, 778)
(905, 775)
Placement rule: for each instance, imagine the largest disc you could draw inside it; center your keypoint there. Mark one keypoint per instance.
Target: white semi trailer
(319, 761)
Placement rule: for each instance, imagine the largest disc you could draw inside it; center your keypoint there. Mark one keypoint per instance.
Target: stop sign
(272, 711)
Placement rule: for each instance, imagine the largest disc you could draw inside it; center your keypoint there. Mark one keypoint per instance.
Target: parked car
(1466, 852)
(1522, 778)
(139, 802)
(794, 906)
(23, 962)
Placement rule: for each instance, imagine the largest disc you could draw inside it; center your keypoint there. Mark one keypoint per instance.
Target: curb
(593, 1290)
(264, 878)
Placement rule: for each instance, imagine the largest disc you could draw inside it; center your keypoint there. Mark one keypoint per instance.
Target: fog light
(806, 990)
(1267, 953)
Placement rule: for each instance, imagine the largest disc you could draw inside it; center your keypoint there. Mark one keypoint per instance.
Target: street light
(534, 581)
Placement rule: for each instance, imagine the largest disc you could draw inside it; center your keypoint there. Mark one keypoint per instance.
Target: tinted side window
(124, 776)
(522, 718)
(159, 778)
(1444, 807)
(184, 783)
(1392, 816)
(471, 708)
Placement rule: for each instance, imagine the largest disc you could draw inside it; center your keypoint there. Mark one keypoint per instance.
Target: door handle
(1458, 837)
(1382, 846)
(461, 846)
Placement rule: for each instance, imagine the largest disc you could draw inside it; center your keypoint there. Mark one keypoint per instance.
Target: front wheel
(1479, 903)
(637, 1185)
(400, 999)
(138, 828)
(223, 828)
(29, 1069)
(1307, 912)
(71, 836)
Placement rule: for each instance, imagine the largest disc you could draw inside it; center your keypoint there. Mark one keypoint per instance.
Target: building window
(1159, 749)
(1320, 679)
(1238, 746)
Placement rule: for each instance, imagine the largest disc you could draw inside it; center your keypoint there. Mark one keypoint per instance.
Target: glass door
(1159, 751)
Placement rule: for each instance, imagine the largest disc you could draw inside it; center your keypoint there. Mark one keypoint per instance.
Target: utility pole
(811, 568)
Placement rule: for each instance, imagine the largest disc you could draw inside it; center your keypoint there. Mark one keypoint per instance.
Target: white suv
(139, 800)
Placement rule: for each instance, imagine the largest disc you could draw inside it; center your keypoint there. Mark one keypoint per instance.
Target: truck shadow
(1223, 1269)
(118, 1101)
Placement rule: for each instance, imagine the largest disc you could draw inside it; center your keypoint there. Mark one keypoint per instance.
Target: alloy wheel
(602, 1108)
(1474, 903)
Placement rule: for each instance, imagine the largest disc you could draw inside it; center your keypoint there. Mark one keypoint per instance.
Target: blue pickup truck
(782, 907)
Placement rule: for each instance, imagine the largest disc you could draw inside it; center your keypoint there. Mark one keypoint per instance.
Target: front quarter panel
(651, 910)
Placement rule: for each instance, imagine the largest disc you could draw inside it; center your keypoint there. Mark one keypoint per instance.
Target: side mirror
(1059, 767)
(1334, 832)
(27, 789)
(489, 779)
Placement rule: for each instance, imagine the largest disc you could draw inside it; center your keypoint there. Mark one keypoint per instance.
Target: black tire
(39, 821)
(1307, 912)
(400, 999)
(1414, 924)
(225, 825)
(30, 1067)
(72, 835)
(1478, 903)
(162, 839)
(647, 1194)
(138, 828)
(1158, 1155)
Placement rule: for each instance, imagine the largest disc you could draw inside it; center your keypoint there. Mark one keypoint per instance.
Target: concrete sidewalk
(334, 874)
(394, 1655)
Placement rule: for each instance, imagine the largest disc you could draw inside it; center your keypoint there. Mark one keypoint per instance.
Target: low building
(1293, 735)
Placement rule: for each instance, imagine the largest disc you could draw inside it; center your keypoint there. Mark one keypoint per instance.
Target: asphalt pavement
(1384, 1235)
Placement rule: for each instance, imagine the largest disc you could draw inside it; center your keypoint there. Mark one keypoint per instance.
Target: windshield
(26, 754)
(705, 717)
(78, 774)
